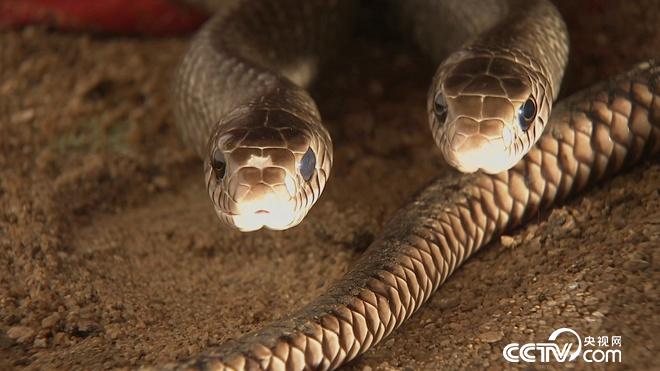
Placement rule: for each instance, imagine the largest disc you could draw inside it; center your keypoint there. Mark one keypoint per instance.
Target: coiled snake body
(589, 137)
(241, 103)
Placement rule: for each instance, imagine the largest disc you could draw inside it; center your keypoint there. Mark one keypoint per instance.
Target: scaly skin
(495, 56)
(240, 97)
(241, 102)
(591, 136)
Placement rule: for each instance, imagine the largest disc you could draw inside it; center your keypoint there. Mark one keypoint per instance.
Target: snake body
(241, 103)
(590, 137)
(502, 65)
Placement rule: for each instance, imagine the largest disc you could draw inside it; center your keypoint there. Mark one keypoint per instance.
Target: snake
(591, 136)
(241, 101)
(588, 138)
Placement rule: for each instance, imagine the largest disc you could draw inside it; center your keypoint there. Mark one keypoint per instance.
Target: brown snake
(240, 99)
(590, 136)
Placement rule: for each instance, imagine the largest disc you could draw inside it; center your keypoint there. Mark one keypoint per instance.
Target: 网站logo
(574, 348)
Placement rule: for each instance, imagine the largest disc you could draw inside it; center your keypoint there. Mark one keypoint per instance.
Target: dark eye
(440, 107)
(218, 164)
(527, 113)
(308, 165)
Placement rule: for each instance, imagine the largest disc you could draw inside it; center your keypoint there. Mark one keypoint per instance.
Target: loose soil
(112, 256)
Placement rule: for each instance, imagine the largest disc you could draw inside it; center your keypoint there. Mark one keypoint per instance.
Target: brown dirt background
(111, 255)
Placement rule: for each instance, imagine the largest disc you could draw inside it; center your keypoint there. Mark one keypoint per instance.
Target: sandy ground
(112, 256)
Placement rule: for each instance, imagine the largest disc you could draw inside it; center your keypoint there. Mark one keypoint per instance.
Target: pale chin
(488, 160)
(271, 213)
(494, 165)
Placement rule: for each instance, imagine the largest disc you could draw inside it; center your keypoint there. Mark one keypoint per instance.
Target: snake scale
(241, 101)
(589, 137)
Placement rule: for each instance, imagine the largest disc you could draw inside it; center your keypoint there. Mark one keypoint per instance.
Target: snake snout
(473, 145)
(262, 197)
(492, 110)
(274, 169)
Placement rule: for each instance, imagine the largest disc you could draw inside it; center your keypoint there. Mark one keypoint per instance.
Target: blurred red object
(146, 17)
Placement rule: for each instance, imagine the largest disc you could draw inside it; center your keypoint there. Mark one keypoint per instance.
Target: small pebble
(21, 334)
(161, 182)
(50, 321)
(22, 117)
(491, 336)
(447, 303)
(40, 343)
(507, 241)
(635, 265)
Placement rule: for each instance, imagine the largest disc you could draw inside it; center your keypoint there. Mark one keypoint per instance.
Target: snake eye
(527, 113)
(308, 164)
(219, 164)
(440, 107)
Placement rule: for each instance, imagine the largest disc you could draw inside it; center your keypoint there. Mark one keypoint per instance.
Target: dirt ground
(112, 256)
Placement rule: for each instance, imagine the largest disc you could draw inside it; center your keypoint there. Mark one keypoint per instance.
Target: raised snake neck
(591, 136)
(496, 55)
(240, 98)
(248, 51)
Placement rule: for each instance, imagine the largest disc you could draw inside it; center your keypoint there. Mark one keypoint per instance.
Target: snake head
(266, 168)
(487, 111)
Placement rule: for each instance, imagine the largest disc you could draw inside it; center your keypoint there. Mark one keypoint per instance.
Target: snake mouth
(473, 161)
(258, 212)
(268, 211)
(469, 154)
